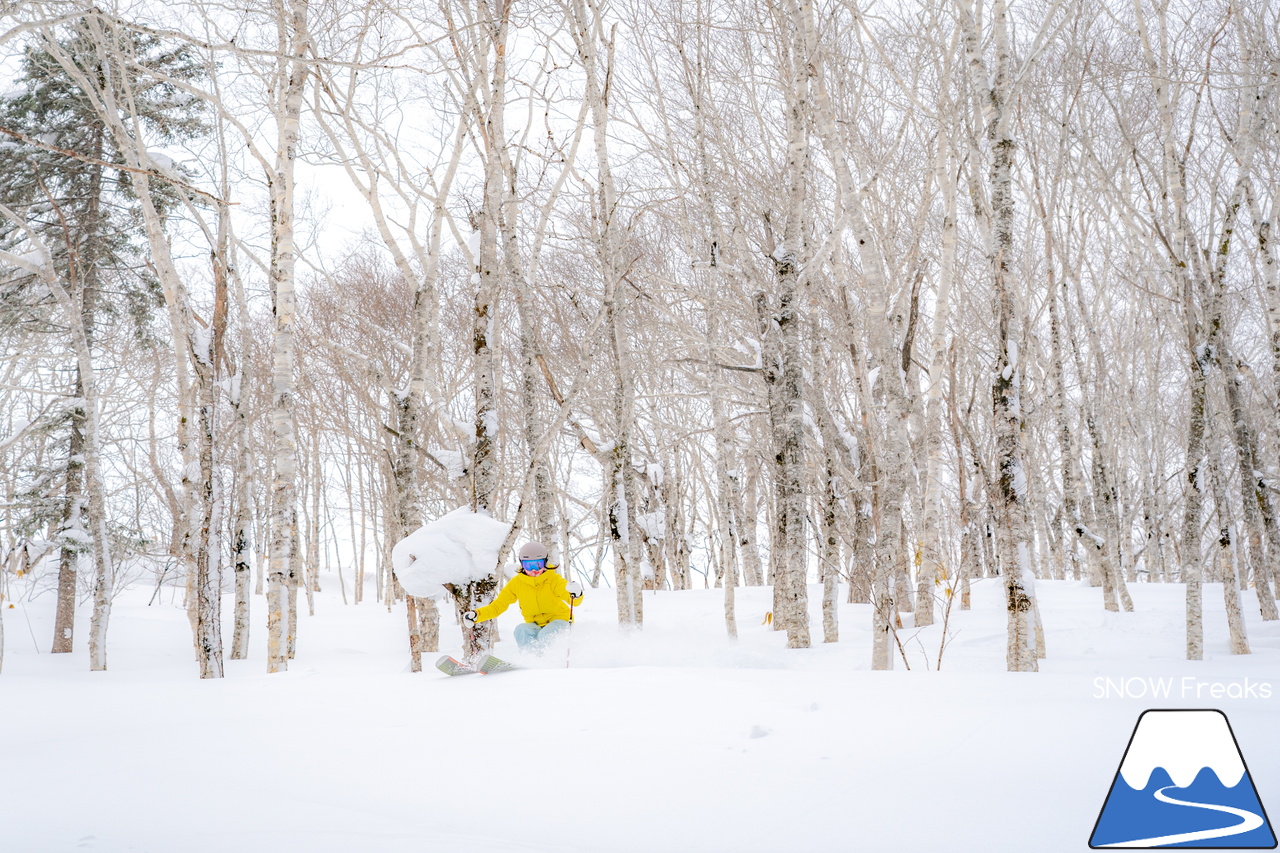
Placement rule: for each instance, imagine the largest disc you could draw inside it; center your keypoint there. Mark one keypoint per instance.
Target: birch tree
(991, 90)
(122, 102)
(364, 117)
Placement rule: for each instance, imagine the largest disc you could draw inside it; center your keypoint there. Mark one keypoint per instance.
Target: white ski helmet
(534, 551)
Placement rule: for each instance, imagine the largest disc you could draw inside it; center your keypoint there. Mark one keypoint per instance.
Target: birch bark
(1259, 515)
(241, 530)
(933, 569)
(1015, 533)
(969, 558)
(724, 454)
(829, 541)
(229, 286)
(195, 351)
(1192, 561)
(1238, 635)
(589, 37)
(492, 34)
(1226, 563)
(780, 333)
(727, 521)
(375, 164)
(893, 457)
(293, 44)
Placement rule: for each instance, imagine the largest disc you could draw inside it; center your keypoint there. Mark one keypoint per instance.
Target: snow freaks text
(1188, 687)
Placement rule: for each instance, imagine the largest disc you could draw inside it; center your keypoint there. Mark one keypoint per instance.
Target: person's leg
(552, 628)
(550, 632)
(526, 633)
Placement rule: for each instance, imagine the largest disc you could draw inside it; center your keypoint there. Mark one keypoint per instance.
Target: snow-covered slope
(674, 739)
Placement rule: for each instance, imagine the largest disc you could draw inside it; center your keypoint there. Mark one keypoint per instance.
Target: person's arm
(495, 608)
(573, 596)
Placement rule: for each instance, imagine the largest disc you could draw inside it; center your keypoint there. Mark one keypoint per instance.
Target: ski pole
(568, 646)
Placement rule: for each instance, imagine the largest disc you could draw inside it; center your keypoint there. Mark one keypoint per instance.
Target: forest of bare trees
(861, 300)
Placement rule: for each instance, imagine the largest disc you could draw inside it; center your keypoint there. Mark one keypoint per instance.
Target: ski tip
(492, 664)
(452, 666)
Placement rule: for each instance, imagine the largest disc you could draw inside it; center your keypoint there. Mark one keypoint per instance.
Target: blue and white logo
(1183, 783)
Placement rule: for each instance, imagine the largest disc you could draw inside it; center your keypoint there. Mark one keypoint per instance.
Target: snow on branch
(455, 549)
(74, 155)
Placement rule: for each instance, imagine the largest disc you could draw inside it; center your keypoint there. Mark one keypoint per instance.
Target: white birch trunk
(490, 44)
(103, 569)
(727, 521)
(893, 456)
(1115, 593)
(829, 555)
(195, 357)
(1223, 563)
(832, 479)
(1015, 534)
(1237, 633)
(241, 547)
(744, 526)
(783, 373)
(1192, 562)
(724, 486)
(969, 558)
(588, 31)
(933, 570)
(1267, 251)
(294, 45)
(241, 530)
(194, 354)
(1255, 497)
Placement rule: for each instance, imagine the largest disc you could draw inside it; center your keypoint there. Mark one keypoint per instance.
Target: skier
(544, 599)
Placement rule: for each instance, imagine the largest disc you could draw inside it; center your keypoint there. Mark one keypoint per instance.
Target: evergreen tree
(57, 177)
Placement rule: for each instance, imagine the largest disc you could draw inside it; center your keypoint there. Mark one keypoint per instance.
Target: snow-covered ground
(673, 739)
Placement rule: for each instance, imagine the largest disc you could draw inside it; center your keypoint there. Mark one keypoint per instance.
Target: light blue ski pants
(530, 636)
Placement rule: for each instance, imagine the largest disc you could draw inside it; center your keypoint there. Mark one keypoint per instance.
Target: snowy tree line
(703, 293)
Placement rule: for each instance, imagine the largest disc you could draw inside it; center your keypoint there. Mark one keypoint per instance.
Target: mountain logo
(1183, 783)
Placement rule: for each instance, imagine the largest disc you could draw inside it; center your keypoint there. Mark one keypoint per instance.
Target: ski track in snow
(1249, 822)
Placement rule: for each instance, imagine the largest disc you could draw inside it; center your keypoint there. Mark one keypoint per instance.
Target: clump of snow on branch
(654, 524)
(457, 548)
(201, 342)
(752, 349)
(453, 461)
(19, 430)
(164, 163)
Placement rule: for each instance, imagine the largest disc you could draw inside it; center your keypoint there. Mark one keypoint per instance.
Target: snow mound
(454, 549)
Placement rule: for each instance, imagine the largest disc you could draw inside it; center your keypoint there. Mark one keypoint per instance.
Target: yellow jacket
(542, 598)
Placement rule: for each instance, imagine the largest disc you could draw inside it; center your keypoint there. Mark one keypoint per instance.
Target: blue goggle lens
(533, 565)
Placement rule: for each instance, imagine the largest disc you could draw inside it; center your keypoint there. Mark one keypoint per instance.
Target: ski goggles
(533, 567)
